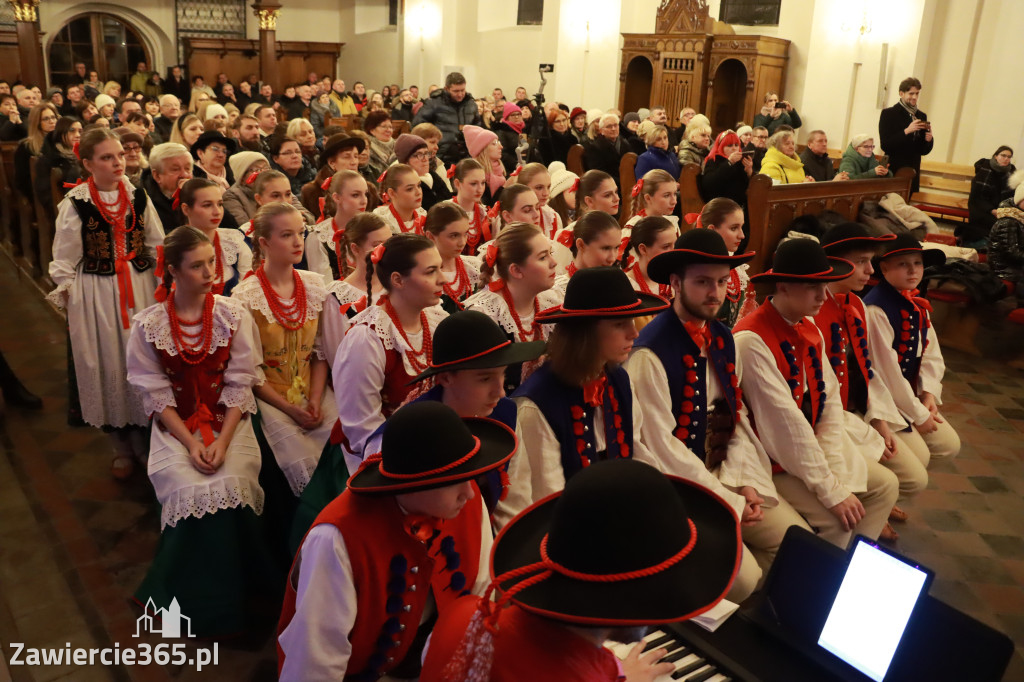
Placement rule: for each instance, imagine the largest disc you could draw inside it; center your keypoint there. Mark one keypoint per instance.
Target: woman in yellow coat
(781, 163)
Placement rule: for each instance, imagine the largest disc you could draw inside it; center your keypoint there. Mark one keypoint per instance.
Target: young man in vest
(405, 540)
(871, 413)
(795, 405)
(906, 349)
(622, 547)
(686, 375)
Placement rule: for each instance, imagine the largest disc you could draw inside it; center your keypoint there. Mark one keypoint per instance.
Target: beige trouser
(764, 537)
(943, 442)
(878, 501)
(910, 464)
(747, 578)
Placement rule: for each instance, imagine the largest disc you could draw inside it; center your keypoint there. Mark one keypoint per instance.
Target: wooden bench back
(574, 161)
(772, 208)
(627, 178)
(690, 200)
(399, 127)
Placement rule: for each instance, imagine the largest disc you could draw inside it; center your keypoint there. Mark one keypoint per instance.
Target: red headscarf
(723, 140)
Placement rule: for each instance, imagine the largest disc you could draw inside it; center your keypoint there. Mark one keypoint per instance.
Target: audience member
(658, 155)
(450, 109)
(212, 150)
(41, 122)
(1006, 239)
(859, 162)
(170, 167)
(286, 157)
(177, 84)
(58, 151)
(905, 133)
(696, 143)
(170, 110)
(12, 129)
(727, 170)
(403, 107)
(604, 149)
(776, 113)
(781, 163)
(989, 188)
(817, 162)
(509, 131)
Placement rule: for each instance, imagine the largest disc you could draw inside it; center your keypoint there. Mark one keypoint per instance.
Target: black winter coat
(509, 141)
(49, 158)
(1006, 244)
(450, 116)
(169, 217)
(988, 190)
(723, 179)
(600, 154)
(905, 151)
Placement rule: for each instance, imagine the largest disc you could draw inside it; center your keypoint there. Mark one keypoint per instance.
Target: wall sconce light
(861, 25)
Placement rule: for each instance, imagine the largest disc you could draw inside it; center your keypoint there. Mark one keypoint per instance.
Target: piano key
(703, 675)
(660, 641)
(689, 669)
(676, 655)
(719, 677)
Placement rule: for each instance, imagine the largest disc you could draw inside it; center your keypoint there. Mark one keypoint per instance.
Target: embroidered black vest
(98, 253)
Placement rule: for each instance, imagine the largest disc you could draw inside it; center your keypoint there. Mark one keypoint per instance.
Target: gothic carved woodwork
(682, 16)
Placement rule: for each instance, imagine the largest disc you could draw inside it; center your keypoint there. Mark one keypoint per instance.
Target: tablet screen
(871, 610)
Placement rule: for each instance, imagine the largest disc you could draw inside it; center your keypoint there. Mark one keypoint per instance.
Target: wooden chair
(772, 208)
(690, 200)
(627, 178)
(574, 161)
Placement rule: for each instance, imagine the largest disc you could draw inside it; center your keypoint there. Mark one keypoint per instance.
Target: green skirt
(328, 481)
(219, 569)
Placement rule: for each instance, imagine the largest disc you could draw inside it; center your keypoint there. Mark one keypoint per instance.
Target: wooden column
(267, 13)
(30, 51)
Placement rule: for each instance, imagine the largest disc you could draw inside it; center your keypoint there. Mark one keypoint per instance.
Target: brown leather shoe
(898, 515)
(888, 534)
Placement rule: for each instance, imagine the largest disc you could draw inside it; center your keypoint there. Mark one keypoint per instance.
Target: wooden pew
(689, 195)
(772, 208)
(398, 128)
(627, 178)
(945, 188)
(574, 161)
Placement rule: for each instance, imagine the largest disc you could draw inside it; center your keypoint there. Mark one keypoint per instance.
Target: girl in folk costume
(470, 182)
(655, 194)
(270, 186)
(483, 146)
(446, 226)
(595, 241)
(194, 361)
(403, 542)
(870, 410)
(578, 407)
(389, 343)
(203, 206)
(562, 588)
(349, 296)
(521, 271)
(725, 217)
(906, 347)
(651, 236)
(103, 267)
(562, 196)
(403, 197)
(596, 192)
(297, 408)
(536, 177)
(324, 251)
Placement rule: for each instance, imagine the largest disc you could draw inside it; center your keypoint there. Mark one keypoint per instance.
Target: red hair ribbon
(418, 222)
(327, 183)
(72, 185)
(176, 199)
(565, 238)
(693, 219)
(323, 202)
(377, 254)
(382, 176)
(451, 171)
(252, 177)
(623, 245)
(494, 210)
(496, 284)
(491, 257)
(74, 150)
(575, 185)
(630, 263)
(637, 188)
(515, 173)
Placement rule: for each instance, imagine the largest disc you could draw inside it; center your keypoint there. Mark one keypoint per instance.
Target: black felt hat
(904, 243)
(471, 340)
(803, 260)
(208, 138)
(696, 246)
(625, 544)
(848, 236)
(426, 445)
(602, 293)
(339, 142)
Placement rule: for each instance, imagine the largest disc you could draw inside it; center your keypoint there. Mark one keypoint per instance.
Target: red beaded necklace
(292, 317)
(417, 221)
(418, 360)
(664, 290)
(339, 234)
(572, 269)
(192, 348)
(460, 288)
(535, 329)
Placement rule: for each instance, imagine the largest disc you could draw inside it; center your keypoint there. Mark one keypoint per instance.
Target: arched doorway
(104, 42)
(639, 79)
(728, 95)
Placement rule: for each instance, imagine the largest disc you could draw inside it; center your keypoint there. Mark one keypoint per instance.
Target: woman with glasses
(286, 156)
(989, 188)
(59, 152)
(413, 151)
(134, 159)
(859, 160)
(378, 126)
(42, 119)
(211, 150)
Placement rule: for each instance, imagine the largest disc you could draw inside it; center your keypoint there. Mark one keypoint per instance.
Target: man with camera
(904, 131)
(776, 113)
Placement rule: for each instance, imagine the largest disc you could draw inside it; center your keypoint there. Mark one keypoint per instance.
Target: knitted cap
(477, 139)
(593, 115)
(577, 111)
(214, 110)
(860, 139)
(630, 117)
(644, 113)
(103, 100)
(406, 145)
(743, 130)
(561, 179)
(240, 162)
(127, 135)
(509, 109)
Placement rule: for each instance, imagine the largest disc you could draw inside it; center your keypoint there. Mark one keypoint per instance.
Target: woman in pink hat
(510, 131)
(484, 146)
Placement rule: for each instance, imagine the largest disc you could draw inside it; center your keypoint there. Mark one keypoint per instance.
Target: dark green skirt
(328, 481)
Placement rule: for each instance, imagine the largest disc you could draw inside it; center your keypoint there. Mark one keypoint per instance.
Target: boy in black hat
(595, 562)
(795, 405)
(871, 413)
(906, 348)
(578, 407)
(686, 376)
(409, 535)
